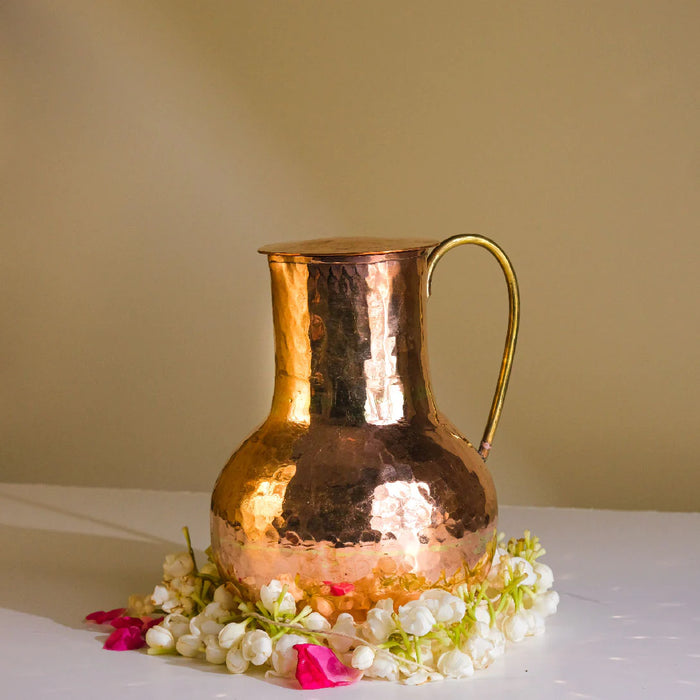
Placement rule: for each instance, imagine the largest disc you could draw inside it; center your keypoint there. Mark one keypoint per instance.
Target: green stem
(153, 651)
(186, 533)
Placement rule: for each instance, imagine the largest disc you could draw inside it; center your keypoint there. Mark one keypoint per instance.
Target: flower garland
(441, 634)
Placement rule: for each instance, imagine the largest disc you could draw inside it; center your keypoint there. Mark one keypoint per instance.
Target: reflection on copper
(262, 506)
(384, 390)
(402, 511)
(355, 476)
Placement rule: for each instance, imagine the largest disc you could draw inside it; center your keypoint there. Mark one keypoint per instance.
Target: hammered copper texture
(355, 476)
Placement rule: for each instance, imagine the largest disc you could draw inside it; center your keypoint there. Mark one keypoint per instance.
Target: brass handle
(513, 321)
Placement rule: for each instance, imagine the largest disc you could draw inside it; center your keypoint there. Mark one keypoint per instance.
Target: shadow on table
(65, 575)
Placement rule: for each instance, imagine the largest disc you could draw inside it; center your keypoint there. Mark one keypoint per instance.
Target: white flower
(535, 622)
(186, 606)
(345, 624)
(455, 664)
(481, 613)
(444, 606)
(189, 645)
(545, 577)
(231, 634)
(484, 645)
(170, 600)
(140, 605)
(284, 655)
(522, 566)
(515, 627)
(416, 618)
(498, 567)
(176, 624)
(362, 657)
(315, 622)
(158, 637)
(379, 625)
(202, 624)
(183, 586)
(256, 647)
(209, 569)
(235, 661)
(385, 604)
(225, 598)
(418, 677)
(214, 653)
(177, 565)
(426, 652)
(384, 666)
(497, 555)
(271, 593)
(216, 611)
(547, 603)
(162, 595)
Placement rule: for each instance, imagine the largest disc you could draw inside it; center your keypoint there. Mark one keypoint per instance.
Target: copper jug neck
(349, 339)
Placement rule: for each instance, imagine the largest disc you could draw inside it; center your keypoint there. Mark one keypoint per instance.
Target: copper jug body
(356, 488)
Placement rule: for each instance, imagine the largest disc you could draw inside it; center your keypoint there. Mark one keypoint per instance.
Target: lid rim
(346, 247)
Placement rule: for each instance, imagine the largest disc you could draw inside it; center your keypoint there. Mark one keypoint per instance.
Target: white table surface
(628, 624)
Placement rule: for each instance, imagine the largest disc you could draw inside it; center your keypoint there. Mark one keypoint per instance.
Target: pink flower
(126, 621)
(319, 667)
(99, 617)
(124, 638)
(129, 632)
(143, 624)
(340, 588)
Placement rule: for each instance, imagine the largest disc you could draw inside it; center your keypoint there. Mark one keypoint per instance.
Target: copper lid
(335, 248)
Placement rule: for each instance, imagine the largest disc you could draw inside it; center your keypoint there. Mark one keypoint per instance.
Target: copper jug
(356, 488)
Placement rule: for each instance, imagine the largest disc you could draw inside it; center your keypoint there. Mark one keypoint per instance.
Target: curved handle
(513, 321)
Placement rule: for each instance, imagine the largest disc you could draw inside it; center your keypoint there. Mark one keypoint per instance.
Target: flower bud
(515, 627)
(362, 657)
(535, 622)
(545, 577)
(379, 625)
(522, 566)
(216, 611)
(345, 624)
(213, 652)
(271, 593)
(455, 664)
(225, 598)
(209, 569)
(444, 606)
(161, 595)
(416, 618)
(231, 634)
(284, 655)
(176, 624)
(177, 565)
(159, 637)
(188, 645)
(256, 647)
(384, 666)
(547, 603)
(235, 662)
(315, 622)
(203, 624)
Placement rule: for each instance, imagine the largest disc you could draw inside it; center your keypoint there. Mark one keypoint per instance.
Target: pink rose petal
(340, 588)
(149, 622)
(126, 621)
(125, 638)
(319, 667)
(101, 616)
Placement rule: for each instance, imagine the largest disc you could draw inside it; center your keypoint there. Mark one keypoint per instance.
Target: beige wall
(147, 149)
